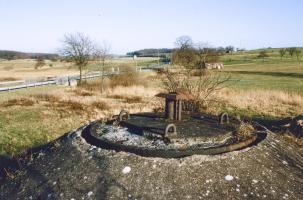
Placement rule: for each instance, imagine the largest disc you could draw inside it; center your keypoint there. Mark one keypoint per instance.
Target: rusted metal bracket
(223, 118)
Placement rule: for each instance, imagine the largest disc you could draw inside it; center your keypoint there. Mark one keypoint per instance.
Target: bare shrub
(39, 63)
(126, 79)
(202, 87)
(93, 85)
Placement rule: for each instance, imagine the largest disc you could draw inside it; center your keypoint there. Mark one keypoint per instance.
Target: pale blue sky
(38, 26)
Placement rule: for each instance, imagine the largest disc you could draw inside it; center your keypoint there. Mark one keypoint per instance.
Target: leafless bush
(129, 77)
(202, 86)
(92, 86)
(39, 63)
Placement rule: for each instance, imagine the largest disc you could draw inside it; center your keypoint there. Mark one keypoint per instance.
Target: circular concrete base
(199, 135)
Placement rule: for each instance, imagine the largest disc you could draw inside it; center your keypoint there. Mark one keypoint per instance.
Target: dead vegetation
(19, 102)
(244, 131)
(130, 78)
(127, 99)
(289, 137)
(264, 102)
(6, 79)
(203, 86)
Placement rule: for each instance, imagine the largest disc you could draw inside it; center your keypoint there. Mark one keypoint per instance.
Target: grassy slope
(36, 116)
(270, 73)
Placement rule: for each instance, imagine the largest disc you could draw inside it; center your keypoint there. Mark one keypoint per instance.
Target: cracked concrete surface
(70, 168)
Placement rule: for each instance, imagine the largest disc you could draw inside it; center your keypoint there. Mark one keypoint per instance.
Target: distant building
(217, 65)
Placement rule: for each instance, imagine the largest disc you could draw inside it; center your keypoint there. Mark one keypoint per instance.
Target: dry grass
(127, 99)
(126, 80)
(267, 102)
(245, 130)
(4, 79)
(19, 102)
(293, 139)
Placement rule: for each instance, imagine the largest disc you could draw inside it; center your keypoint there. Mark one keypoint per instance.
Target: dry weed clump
(94, 85)
(72, 105)
(83, 93)
(46, 97)
(245, 130)
(19, 102)
(128, 78)
(101, 105)
(293, 139)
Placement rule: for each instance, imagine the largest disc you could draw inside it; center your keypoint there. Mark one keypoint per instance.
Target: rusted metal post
(173, 104)
(166, 108)
(171, 109)
(179, 110)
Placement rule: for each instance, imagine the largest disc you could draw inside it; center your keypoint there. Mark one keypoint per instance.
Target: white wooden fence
(66, 80)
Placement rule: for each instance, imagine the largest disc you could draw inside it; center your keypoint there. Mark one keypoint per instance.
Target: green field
(272, 73)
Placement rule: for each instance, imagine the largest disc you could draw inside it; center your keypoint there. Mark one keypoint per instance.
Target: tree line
(13, 55)
(165, 52)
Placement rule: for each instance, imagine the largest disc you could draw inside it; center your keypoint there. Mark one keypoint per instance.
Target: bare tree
(298, 53)
(40, 62)
(263, 54)
(79, 48)
(189, 59)
(184, 42)
(282, 52)
(101, 55)
(185, 54)
(229, 49)
(291, 51)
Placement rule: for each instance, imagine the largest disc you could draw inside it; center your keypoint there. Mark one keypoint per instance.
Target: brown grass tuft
(101, 105)
(46, 97)
(293, 139)
(72, 105)
(83, 93)
(19, 102)
(245, 130)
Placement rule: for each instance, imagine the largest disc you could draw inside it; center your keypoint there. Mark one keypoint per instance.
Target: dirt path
(73, 169)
